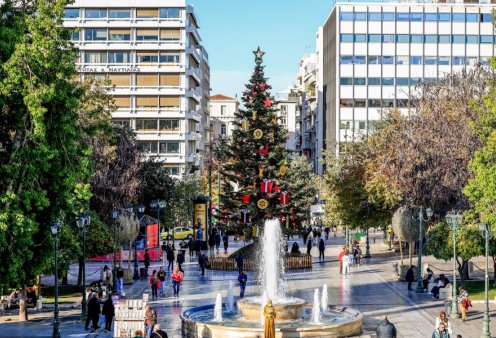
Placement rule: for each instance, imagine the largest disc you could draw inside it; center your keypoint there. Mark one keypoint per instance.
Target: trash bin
(142, 273)
(447, 307)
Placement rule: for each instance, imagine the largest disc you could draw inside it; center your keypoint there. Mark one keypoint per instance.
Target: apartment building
(222, 116)
(375, 53)
(288, 116)
(153, 54)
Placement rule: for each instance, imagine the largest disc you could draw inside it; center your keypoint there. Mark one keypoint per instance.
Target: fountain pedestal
(251, 310)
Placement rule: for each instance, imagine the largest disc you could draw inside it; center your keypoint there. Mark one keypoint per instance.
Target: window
(120, 80)
(374, 60)
(146, 80)
(402, 81)
(388, 81)
(119, 57)
(430, 16)
(346, 103)
(444, 17)
(471, 61)
(146, 57)
(173, 171)
(360, 38)
(71, 13)
(223, 129)
(223, 110)
(472, 38)
(388, 103)
(95, 13)
(169, 147)
(387, 16)
(74, 35)
(359, 81)
(360, 16)
(374, 81)
(169, 125)
(169, 102)
(472, 17)
(170, 34)
(416, 38)
(387, 60)
(360, 103)
(458, 17)
(166, 57)
(486, 39)
(146, 102)
(146, 125)
(430, 60)
(374, 103)
(486, 17)
(444, 38)
(414, 81)
(284, 110)
(430, 80)
(346, 60)
(122, 101)
(359, 60)
(346, 81)
(146, 34)
(170, 80)
(374, 16)
(375, 38)
(402, 16)
(402, 103)
(443, 60)
(119, 13)
(95, 34)
(402, 38)
(416, 17)
(458, 61)
(122, 122)
(415, 60)
(346, 37)
(346, 16)
(388, 38)
(146, 13)
(430, 38)
(484, 60)
(170, 13)
(402, 60)
(119, 34)
(147, 147)
(458, 38)
(361, 125)
(95, 57)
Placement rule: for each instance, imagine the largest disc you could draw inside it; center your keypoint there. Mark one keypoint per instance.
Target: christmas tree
(254, 160)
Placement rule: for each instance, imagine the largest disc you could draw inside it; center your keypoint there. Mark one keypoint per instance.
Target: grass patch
(476, 289)
(67, 294)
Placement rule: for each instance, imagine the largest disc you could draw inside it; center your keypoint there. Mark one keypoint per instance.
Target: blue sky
(232, 29)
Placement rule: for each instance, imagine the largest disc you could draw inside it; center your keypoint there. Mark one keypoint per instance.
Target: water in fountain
(316, 307)
(324, 299)
(230, 297)
(262, 305)
(272, 263)
(218, 308)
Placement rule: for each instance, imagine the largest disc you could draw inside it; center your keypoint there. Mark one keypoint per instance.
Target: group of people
(157, 282)
(348, 258)
(152, 327)
(94, 311)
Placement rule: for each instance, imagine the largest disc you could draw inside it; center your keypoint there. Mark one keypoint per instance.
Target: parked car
(178, 233)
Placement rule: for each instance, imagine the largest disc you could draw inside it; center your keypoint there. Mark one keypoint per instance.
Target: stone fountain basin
(252, 310)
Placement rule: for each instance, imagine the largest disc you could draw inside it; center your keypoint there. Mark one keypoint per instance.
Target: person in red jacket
(155, 284)
(340, 258)
(177, 278)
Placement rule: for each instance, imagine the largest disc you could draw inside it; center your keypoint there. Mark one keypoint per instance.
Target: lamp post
(421, 219)
(454, 219)
(115, 213)
(55, 229)
(159, 204)
(83, 224)
(367, 241)
(485, 229)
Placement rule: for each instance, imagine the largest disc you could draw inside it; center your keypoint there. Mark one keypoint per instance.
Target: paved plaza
(372, 289)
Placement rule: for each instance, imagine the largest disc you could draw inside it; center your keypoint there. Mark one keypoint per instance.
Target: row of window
(140, 79)
(162, 147)
(111, 13)
(124, 34)
(156, 125)
(418, 38)
(412, 60)
(102, 57)
(373, 103)
(384, 81)
(148, 101)
(416, 17)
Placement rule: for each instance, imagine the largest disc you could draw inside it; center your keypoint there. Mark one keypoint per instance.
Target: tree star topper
(258, 54)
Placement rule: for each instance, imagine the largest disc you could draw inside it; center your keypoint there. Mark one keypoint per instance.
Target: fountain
(294, 317)
(230, 297)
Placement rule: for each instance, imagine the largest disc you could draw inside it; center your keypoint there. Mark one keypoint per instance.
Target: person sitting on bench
(442, 282)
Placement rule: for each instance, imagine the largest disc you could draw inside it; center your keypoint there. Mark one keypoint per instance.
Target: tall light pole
(454, 219)
(115, 213)
(421, 219)
(55, 229)
(141, 210)
(83, 224)
(157, 205)
(485, 229)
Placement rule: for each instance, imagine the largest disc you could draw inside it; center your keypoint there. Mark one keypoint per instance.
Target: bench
(446, 292)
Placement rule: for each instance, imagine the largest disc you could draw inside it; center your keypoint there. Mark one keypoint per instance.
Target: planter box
(302, 261)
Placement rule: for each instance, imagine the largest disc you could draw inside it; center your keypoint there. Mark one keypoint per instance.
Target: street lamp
(160, 204)
(428, 211)
(485, 229)
(83, 223)
(115, 213)
(367, 242)
(136, 276)
(454, 219)
(55, 229)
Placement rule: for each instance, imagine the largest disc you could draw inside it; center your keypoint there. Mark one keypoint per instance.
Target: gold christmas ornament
(254, 115)
(274, 119)
(257, 134)
(282, 170)
(271, 135)
(262, 203)
(260, 170)
(245, 125)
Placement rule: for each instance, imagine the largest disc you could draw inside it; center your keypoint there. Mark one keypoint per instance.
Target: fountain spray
(218, 308)
(325, 300)
(230, 297)
(316, 307)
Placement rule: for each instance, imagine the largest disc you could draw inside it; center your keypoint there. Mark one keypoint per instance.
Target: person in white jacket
(346, 265)
(442, 318)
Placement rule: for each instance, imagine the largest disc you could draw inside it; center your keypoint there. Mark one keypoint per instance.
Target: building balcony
(192, 29)
(195, 52)
(194, 72)
(130, 45)
(193, 115)
(193, 136)
(194, 93)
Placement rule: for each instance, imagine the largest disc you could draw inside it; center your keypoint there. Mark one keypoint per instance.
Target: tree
(255, 153)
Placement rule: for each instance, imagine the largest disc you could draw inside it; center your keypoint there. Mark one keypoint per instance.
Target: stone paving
(372, 289)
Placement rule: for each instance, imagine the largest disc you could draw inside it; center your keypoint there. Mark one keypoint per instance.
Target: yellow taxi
(178, 233)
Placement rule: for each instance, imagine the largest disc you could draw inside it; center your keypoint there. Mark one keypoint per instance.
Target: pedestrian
(198, 246)
(147, 262)
(161, 277)
(150, 320)
(385, 329)
(183, 245)
(440, 332)
(217, 241)
(108, 311)
(191, 247)
(155, 284)
(357, 253)
(138, 334)
(409, 277)
(321, 248)
(157, 333)
(427, 279)
(164, 252)
(442, 282)
(340, 259)
(346, 264)
(239, 262)
(202, 261)
(464, 303)
(120, 279)
(180, 260)
(327, 230)
(309, 246)
(442, 318)
(295, 249)
(242, 278)
(170, 259)
(93, 312)
(211, 244)
(106, 277)
(225, 239)
(177, 278)
(305, 236)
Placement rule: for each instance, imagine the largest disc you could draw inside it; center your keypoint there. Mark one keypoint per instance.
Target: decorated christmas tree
(254, 160)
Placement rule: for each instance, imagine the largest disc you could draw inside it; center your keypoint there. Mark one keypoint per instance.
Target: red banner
(152, 236)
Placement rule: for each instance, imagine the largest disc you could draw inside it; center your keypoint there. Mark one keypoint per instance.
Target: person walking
(170, 259)
(440, 332)
(442, 318)
(463, 303)
(93, 312)
(239, 262)
(150, 320)
(120, 280)
(180, 260)
(340, 259)
(242, 278)
(346, 264)
(358, 255)
(321, 248)
(147, 262)
(106, 277)
(155, 284)
(191, 247)
(427, 279)
(211, 244)
(217, 241)
(161, 277)
(164, 252)
(225, 239)
(309, 246)
(202, 261)
(198, 246)
(177, 278)
(108, 311)
(386, 329)
(409, 277)
(157, 333)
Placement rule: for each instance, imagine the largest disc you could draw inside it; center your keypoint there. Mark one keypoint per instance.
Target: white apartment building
(288, 116)
(152, 53)
(374, 54)
(222, 116)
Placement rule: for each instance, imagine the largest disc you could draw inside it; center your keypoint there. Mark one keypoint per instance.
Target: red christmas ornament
(277, 189)
(245, 199)
(267, 102)
(266, 186)
(262, 86)
(284, 198)
(264, 151)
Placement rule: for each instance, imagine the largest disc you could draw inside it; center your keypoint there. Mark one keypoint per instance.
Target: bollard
(39, 303)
